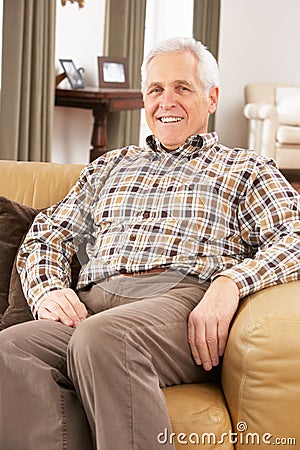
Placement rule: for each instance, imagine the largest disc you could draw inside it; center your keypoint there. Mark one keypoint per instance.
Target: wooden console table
(100, 101)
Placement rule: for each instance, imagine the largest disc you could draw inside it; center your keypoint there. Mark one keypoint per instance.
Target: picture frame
(73, 74)
(113, 72)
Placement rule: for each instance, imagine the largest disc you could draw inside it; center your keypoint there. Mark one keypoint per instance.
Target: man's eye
(183, 88)
(155, 90)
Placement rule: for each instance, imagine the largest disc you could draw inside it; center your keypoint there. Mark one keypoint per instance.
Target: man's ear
(213, 99)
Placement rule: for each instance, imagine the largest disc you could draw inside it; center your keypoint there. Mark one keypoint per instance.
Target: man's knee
(16, 335)
(42, 339)
(97, 333)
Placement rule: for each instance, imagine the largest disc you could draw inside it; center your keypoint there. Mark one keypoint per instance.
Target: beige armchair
(273, 112)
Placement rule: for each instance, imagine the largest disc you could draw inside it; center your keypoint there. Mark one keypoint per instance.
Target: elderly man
(175, 233)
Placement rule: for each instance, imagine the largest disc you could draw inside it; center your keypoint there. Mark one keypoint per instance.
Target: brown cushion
(16, 309)
(15, 220)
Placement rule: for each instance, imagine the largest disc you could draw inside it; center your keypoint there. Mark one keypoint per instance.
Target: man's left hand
(209, 322)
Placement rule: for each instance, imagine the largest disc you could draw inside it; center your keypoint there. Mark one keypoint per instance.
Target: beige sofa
(273, 113)
(259, 393)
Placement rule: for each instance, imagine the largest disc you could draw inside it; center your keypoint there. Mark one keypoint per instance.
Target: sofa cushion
(202, 415)
(18, 310)
(15, 220)
(37, 184)
(288, 105)
(288, 135)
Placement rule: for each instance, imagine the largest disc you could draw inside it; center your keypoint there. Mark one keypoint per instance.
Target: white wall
(79, 36)
(259, 41)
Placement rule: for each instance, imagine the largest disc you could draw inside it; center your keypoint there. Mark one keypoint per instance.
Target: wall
(259, 41)
(79, 36)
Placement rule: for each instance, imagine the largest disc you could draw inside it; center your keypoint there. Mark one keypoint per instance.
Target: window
(164, 19)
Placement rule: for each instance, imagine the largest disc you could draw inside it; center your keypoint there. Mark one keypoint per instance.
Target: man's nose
(167, 100)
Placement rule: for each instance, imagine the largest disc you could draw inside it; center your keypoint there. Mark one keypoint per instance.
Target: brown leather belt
(142, 272)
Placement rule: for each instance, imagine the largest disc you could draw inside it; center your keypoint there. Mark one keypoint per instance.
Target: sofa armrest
(261, 367)
(262, 127)
(259, 111)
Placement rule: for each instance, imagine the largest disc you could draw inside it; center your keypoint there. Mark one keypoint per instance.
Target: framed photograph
(74, 75)
(113, 72)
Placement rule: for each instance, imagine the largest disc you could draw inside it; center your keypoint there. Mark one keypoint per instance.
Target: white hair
(208, 71)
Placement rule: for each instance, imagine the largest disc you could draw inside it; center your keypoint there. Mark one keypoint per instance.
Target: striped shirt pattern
(204, 210)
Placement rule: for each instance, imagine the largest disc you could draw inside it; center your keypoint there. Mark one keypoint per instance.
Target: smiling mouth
(170, 119)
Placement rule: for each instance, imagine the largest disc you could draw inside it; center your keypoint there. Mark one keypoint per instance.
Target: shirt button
(132, 237)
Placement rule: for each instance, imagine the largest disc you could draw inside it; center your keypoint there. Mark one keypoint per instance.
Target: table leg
(99, 134)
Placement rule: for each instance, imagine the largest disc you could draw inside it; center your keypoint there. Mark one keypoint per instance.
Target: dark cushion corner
(15, 220)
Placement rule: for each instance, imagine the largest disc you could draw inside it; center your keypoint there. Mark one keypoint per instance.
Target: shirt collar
(192, 146)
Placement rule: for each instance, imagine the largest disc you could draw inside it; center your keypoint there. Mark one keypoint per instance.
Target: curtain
(28, 79)
(206, 25)
(124, 36)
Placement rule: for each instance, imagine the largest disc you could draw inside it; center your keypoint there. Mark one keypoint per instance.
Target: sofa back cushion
(288, 105)
(37, 184)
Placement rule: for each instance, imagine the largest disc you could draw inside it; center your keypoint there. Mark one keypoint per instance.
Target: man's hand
(209, 322)
(63, 305)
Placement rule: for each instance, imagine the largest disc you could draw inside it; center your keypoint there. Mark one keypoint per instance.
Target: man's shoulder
(242, 157)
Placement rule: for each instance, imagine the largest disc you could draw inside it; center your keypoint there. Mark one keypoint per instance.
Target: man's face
(176, 105)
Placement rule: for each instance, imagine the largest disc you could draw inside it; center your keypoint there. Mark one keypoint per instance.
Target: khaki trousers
(99, 386)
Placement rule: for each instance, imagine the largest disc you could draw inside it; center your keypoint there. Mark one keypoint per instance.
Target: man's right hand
(63, 305)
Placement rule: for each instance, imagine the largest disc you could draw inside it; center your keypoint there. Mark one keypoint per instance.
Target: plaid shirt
(203, 209)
